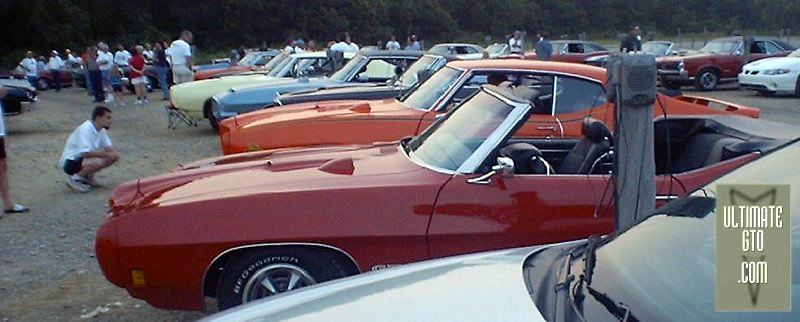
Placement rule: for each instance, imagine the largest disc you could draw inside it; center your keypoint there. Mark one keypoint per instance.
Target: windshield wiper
(618, 310)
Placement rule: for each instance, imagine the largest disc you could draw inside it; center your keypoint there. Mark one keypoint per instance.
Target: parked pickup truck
(719, 60)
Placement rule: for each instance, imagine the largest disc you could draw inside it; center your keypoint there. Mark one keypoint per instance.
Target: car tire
(766, 93)
(797, 87)
(212, 119)
(265, 272)
(43, 84)
(670, 84)
(707, 79)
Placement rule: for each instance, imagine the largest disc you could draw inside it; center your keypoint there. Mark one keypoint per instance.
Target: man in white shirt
(72, 61)
(181, 58)
(28, 64)
(105, 60)
(515, 43)
(290, 47)
(122, 59)
(342, 45)
(54, 65)
(88, 150)
(393, 44)
(351, 43)
(5, 191)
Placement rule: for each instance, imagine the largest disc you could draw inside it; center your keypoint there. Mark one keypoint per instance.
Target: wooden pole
(632, 79)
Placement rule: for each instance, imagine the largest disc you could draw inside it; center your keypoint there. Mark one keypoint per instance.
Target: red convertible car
(242, 227)
(571, 93)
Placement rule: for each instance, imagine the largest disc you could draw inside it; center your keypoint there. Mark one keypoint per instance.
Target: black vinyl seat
(596, 142)
(527, 158)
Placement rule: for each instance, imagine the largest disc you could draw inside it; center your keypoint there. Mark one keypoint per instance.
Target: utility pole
(632, 84)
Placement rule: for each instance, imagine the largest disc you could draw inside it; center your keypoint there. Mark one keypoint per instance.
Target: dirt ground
(47, 267)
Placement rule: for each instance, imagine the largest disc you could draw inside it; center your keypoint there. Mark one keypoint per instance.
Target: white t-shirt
(2, 121)
(515, 45)
(148, 55)
(288, 49)
(179, 50)
(342, 46)
(72, 60)
(121, 57)
(107, 58)
(55, 63)
(354, 46)
(393, 45)
(31, 65)
(298, 50)
(85, 138)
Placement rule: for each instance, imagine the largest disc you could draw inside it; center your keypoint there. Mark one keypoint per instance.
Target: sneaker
(138, 102)
(77, 185)
(145, 101)
(90, 181)
(16, 209)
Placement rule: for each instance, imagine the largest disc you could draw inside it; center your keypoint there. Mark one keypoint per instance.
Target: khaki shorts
(182, 74)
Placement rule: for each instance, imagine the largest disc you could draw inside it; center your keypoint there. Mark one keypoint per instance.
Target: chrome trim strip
(666, 197)
(555, 96)
(560, 126)
(425, 165)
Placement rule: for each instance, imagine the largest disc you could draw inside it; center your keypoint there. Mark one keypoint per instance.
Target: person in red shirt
(138, 79)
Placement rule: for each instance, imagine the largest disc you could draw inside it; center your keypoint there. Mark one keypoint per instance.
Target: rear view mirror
(424, 75)
(504, 167)
(398, 70)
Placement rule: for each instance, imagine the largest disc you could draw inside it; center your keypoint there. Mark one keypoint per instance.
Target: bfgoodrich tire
(266, 272)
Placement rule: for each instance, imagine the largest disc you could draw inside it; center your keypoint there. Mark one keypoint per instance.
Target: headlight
(776, 71)
(680, 65)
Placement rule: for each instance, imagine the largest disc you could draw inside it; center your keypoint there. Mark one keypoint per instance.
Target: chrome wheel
(707, 80)
(274, 279)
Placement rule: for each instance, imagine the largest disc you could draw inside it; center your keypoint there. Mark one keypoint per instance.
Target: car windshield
(449, 142)
(559, 47)
(275, 61)
(667, 264)
(496, 49)
(655, 48)
(719, 47)
(349, 68)
(411, 76)
(249, 59)
(795, 53)
(440, 49)
(283, 68)
(432, 89)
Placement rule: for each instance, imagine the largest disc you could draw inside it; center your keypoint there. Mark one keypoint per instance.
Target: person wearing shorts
(5, 191)
(181, 55)
(138, 79)
(88, 150)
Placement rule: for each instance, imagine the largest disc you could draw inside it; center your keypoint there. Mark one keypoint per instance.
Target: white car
(662, 269)
(772, 75)
(462, 51)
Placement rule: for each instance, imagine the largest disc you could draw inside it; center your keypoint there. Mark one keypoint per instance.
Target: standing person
(54, 65)
(289, 49)
(413, 44)
(342, 45)
(299, 46)
(72, 61)
(350, 42)
(41, 64)
(116, 84)
(241, 51)
(181, 55)
(105, 60)
(393, 44)
(633, 42)
(94, 79)
(88, 150)
(122, 59)
(515, 44)
(544, 50)
(8, 205)
(160, 65)
(138, 79)
(311, 46)
(148, 54)
(28, 64)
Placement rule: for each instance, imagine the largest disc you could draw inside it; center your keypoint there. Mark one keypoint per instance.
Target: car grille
(750, 72)
(668, 65)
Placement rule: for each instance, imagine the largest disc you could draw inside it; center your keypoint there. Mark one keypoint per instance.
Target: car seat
(595, 144)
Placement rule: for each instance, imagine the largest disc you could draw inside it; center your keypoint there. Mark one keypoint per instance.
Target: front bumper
(770, 83)
(674, 75)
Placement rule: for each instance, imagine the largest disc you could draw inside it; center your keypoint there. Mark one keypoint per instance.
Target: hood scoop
(343, 166)
(361, 108)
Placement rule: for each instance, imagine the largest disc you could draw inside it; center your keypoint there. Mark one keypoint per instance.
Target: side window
(575, 48)
(378, 70)
(575, 94)
(771, 48)
(461, 50)
(757, 47)
(261, 60)
(472, 50)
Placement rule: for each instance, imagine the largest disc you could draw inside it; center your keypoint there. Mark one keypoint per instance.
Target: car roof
(447, 57)
(456, 44)
(397, 53)
(527, 64)
(320, 54)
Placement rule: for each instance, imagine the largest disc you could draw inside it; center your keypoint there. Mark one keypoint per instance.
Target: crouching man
(88, 150)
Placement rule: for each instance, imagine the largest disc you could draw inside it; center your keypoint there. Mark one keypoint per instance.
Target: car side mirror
(398, 71)
(504, 167)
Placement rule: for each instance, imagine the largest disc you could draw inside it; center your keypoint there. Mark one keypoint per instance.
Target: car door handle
(551, 128)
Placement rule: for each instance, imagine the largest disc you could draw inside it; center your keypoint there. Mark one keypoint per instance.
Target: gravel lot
(47, 267)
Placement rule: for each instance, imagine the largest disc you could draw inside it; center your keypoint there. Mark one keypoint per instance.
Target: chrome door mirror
(504, 166)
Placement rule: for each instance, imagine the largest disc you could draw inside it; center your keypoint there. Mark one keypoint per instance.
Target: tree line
(42, 25)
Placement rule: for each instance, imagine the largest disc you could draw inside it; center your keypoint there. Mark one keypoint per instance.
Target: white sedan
(771, 75)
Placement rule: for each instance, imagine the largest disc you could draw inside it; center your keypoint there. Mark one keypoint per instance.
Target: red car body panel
(206, 74)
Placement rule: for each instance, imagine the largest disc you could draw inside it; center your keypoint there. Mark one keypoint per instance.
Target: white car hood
(484, 287)
(774, 63)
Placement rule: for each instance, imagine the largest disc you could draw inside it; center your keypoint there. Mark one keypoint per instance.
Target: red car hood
(263, 172)
(320, 110)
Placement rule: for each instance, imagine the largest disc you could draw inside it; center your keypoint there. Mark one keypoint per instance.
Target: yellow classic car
(193, 98)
